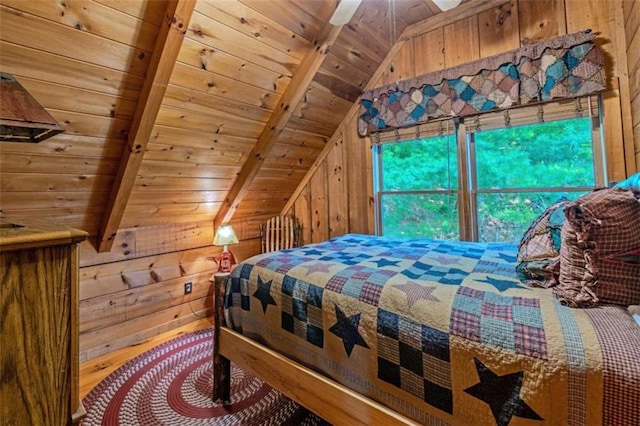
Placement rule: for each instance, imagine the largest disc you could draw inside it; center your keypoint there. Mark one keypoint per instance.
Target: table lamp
(225, 235)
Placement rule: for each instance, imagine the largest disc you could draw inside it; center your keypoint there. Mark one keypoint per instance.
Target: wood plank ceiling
(91, 64)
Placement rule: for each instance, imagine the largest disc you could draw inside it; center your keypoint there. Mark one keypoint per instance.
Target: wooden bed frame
(330, 400)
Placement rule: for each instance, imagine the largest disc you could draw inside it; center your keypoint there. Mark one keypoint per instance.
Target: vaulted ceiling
(184, 110)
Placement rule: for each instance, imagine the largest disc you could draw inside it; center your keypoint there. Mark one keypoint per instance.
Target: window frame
(463, 130)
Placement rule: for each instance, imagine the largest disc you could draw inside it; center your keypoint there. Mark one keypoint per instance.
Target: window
(420, 188)
(486, 179)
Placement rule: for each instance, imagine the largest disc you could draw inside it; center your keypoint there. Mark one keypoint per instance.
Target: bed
(373, 330)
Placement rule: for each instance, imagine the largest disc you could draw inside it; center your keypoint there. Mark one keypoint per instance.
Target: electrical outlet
(188, 287)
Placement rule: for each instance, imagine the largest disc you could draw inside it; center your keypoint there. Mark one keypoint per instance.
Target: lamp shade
(445, 5)
(225, 235)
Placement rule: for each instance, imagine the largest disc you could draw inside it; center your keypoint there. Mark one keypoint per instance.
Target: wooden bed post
(221, 365)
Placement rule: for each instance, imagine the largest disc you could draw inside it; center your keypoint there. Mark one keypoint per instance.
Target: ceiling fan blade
(445, 5)
(344, 11)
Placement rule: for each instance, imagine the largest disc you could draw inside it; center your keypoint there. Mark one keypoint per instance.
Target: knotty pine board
(302, 212)
(243, 19)
(161, 183)
(214, 123)
(358, 175)
(541, 20)
(218, 36)
(38, 33)
(304, 22)
(93, 18)
(212, 82)
(212, 155)
(152, 12)
(200, 169)
(91, 125)
(23, 61)
(190, 138)
(178, 197)
(198, 101)
(104, 340)
(319, 192)
(37, 182)
(142, 298)
(338, 217)
(13, 162)
(201, 56)
(62, 97)
(498, 29)
(429, 51)
(461, 43)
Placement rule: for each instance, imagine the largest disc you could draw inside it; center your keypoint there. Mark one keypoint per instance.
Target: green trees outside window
(513, 174)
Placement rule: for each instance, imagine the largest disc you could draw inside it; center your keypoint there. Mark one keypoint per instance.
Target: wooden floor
(94, 370)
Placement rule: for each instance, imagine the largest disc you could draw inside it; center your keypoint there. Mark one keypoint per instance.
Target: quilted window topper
(566, 67)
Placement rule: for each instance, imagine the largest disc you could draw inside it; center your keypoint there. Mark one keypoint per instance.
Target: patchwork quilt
(443, 332)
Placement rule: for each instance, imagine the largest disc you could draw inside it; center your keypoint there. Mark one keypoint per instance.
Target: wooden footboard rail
(330, 400)
(325, 397)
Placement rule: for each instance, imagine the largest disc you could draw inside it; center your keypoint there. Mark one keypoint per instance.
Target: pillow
(632, 182)
(600, 253)
(539, 250)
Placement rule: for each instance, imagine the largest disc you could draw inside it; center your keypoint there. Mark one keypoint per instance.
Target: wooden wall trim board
(168, 43)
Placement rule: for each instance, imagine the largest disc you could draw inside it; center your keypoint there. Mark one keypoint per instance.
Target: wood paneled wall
(338, 198)
(631, 11)
(136, 290)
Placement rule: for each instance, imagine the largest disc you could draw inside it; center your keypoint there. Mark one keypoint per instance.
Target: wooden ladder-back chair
(279, 233)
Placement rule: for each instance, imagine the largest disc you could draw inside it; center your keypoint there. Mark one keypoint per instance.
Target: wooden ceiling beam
(288, 103)
(165, 53)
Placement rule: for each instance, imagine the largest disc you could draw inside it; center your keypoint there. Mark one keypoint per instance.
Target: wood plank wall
(322, 203)
(136, 290)
(631, 11)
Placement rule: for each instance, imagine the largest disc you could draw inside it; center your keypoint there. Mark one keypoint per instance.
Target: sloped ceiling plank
(93, 18)
(288, 103)
(40, 65)
(303, 18)
(338, 133)
(171, 34)
(255, 25)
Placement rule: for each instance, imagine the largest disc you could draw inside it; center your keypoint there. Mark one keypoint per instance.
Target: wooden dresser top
(18, 235)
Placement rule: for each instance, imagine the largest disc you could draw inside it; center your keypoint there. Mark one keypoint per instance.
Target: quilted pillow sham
(600, 253)
(539, 250)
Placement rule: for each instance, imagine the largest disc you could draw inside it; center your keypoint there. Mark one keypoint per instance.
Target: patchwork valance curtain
(566, 67)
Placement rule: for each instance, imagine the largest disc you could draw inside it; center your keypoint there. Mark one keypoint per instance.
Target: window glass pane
(554, 154)
(420, 215)
(420, 164)
(506, 216)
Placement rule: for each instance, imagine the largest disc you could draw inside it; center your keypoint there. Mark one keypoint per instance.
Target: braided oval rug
(171, 384)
